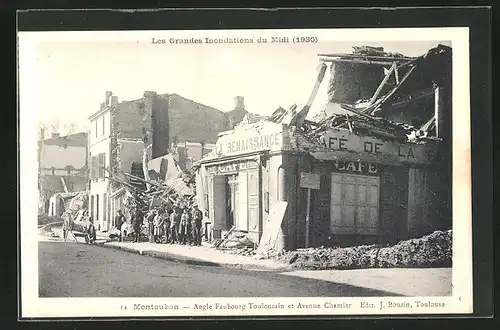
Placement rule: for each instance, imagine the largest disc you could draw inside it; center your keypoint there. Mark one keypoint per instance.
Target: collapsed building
(373, 167)
(166, 131)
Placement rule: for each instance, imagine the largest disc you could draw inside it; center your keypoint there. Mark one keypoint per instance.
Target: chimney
(55, 135)
(42, 134)
(239, 103)
(107, 101)
(103, 105)
(114, 100)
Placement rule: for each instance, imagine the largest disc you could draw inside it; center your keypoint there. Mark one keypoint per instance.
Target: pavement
(197, 255)
(69, 269)
(411, 282)
(380, 281)
(56, 234)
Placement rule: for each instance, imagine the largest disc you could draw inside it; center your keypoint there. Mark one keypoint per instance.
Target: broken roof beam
(373, 109)
(425, 127)
(382, 84)
(371, 57)
(339, 60)
(145, 181)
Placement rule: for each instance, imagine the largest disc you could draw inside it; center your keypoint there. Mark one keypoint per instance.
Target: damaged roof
(73, 140)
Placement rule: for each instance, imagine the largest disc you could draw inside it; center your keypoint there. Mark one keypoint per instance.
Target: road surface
(68, 269)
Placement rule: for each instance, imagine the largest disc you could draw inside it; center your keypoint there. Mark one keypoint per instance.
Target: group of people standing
(175, 225)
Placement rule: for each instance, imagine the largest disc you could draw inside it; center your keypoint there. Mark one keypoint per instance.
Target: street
(68, 269)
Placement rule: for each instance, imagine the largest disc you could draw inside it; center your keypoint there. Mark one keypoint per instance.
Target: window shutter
(101, 166)
(93, 168)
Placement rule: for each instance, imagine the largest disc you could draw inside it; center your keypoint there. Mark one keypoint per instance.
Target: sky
(73, 77)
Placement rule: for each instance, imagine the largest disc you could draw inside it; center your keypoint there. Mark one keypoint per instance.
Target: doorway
(232, 200)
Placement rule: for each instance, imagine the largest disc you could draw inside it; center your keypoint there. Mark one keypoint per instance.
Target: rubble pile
(375, 51)
(236, 242)
(434, 250)
(159, 193)
(361, 125)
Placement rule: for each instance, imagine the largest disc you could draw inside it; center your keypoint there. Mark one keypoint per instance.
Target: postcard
(196, 173)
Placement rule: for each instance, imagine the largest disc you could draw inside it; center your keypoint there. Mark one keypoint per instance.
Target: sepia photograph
(249, 172)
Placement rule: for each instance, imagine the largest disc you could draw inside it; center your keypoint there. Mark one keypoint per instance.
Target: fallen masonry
(434, 250)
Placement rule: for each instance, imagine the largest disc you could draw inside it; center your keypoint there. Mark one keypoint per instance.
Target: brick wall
(146, 119)
(351, 82)
(191, 121)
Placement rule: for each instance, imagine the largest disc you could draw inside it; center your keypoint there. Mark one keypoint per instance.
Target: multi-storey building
(120, 132)
(62, 166)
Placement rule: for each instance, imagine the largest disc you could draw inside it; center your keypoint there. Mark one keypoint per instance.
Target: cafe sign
(231, 167)
(405, 152)
(355, 167)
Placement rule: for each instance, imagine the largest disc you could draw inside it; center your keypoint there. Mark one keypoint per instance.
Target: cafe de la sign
(340, 188)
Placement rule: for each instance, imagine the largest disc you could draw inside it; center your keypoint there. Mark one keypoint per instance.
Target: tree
(54, 126)
(46, 128)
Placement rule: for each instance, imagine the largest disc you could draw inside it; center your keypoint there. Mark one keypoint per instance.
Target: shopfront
(233, 194)
(369, 190)
(367, 194)
(234, 178)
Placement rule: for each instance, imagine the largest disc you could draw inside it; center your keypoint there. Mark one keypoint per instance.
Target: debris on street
(160, 190)
(76, 205)
(434, 250)
(236, 242)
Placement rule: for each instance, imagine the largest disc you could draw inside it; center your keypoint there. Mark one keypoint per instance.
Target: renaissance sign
(405, 152)
(251, 140)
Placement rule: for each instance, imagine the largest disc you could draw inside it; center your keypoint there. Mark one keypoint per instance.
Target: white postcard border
(33, 306)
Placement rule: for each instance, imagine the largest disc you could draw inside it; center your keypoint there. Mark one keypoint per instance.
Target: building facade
(364, 189)
(62, 166)
(120, 132)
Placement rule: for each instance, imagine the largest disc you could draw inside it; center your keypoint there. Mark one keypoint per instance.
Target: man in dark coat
(91, 232)
(119, 220)
(185, 229)
(175, 219)
(197, 218)
(137, 220)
